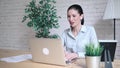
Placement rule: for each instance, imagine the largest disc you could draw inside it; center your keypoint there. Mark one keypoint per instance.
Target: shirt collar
(83, 30)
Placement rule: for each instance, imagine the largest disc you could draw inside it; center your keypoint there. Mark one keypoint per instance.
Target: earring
(80, 18)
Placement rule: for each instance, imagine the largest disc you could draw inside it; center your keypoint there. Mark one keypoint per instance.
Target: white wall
(15, 35)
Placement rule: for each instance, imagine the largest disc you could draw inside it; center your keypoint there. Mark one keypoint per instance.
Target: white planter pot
(92, 61)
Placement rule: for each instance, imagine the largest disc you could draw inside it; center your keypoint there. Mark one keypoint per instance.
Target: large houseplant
(93, 55)
(41, 17)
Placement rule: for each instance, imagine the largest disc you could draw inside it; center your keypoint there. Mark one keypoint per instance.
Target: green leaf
(30, 24)
(24, 18)
(91, 50)
(41, 2)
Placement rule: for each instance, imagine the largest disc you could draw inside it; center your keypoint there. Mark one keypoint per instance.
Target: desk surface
(80, 63)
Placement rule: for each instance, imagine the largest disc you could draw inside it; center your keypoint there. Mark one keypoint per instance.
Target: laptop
(48, 51)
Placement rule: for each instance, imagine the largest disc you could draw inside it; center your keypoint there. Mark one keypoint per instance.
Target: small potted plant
(41, 16)
(93, 55)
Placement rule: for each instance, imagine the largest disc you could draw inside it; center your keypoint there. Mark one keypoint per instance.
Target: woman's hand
(70, 56)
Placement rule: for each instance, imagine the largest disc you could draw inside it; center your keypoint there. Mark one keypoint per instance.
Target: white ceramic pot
(92, 61)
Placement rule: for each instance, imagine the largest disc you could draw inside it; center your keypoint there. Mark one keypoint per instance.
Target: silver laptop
(49, 51)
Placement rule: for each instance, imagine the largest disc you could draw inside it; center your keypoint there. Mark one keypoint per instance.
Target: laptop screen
(108, 45)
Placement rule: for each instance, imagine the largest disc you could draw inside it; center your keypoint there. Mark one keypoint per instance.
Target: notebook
(48, 51)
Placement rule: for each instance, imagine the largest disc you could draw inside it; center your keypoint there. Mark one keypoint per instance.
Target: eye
(74, 16)
(68, 16)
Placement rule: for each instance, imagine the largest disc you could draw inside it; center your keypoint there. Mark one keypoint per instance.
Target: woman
(77, 36)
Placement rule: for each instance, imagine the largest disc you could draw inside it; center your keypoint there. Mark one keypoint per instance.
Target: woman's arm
(93, 37)
(70, 56)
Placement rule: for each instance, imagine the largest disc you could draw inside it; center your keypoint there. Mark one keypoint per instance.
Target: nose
(70, 18)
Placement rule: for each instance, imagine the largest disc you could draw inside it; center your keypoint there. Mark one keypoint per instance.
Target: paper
(19, 58)
(81, 54)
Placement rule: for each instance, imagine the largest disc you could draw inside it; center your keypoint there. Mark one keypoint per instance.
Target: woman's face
(74, 17)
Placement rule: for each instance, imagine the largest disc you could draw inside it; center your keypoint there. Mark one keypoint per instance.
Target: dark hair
(79, 9)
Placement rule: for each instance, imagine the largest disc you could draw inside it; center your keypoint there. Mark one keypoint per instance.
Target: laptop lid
(48, 51)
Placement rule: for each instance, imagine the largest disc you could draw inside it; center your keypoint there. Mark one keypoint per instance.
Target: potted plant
(93, 55)
(41, 17)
